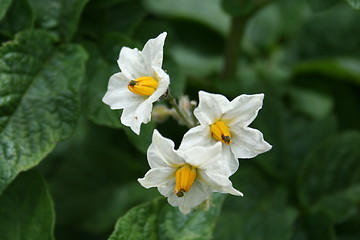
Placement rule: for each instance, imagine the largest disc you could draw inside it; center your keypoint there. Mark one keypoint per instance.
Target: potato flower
(140, 83)
(188, 177)
(227, 122)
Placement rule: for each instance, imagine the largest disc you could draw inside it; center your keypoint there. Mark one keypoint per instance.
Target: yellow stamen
(143, 86)
(185, 177)
(221, 132)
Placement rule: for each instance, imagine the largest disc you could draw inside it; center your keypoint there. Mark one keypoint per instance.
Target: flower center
(143, 85)
(221, 132)
(185, 177)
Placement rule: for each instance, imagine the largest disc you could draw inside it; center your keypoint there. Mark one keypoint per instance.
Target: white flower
(140, 83)
(186, 178)
(227, 122)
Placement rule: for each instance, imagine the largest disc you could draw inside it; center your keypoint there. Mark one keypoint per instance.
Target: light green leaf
(60, 16)
(207, 12)
(39, 101)
(354, 3)
(19, 17)
(26, 210)
(318, 5)
(157, 220)
(4, 5)
(332, 168)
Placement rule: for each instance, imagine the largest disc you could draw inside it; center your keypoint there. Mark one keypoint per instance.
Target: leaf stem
(173, 103)
(232, 47)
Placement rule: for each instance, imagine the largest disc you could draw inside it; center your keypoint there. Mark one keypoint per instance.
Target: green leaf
(207, 12)
(4, 5)
(354, 3)
(318, 5)
(19, 17)
(39, 102)
(142, 141)
(332, 168)
(60, 16)
(158, 220)
(98, 72)
(26, 210)
(343, 69)
(263, 212)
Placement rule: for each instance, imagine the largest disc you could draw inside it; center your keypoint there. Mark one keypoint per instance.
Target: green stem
(173, 103)
(232, 47)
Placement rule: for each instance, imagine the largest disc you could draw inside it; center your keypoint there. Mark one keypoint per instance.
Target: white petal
(203, 157)
(230, 161)
(244, 110)
(248, 142)
(127, 118)
(197, 194)
(153, 50)
(118, 95)
(164, 82)
(157, 176)
(161, 152)
(211, 107)
(133, 64)
(218, 182)
(197, 136)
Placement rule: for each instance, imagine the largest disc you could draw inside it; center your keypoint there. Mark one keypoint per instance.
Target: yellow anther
(143, 86)
(185, 177)
(221, 132)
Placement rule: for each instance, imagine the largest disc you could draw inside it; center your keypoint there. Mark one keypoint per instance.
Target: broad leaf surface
(263, 213)
(354, 3)
(207, 12)
(4, 5)
(26, 210)
(318, 5)
(19, 17)
(39, 100)
(60, 16)
(157, 220)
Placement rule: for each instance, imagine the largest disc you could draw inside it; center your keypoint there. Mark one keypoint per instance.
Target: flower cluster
(208, 154)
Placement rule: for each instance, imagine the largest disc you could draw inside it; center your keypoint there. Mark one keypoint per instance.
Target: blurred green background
(303, 55)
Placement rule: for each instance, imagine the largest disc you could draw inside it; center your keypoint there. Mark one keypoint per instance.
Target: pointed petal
(163, 86)
(133, 64)
(156, 177)
(211, 107)
(197, 194)
(244, 110)
(218, 182)
(153, 50)
(248, 142)
(161, 152)
(127, 118)
(197, 136)
(118, 95)
(230, 161)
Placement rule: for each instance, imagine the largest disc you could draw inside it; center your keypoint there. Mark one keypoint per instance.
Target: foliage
(55, 62)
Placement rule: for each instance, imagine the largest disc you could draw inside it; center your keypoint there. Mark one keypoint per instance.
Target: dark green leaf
(4, 5)
(157, 220)
(60, 16)
(26, 210)
(354, 3)
(207, 12)
(318, 5)
(335, 68)
(332, 168)
(142, 141)
(263, 212)
(19, 17)
(39, 101)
